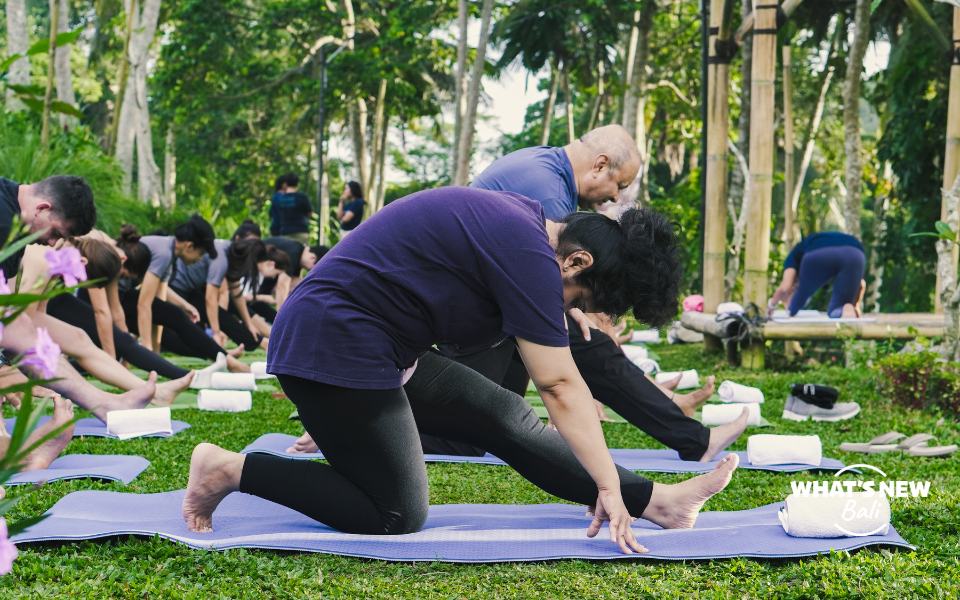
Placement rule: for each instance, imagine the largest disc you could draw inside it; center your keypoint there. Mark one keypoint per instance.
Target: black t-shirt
(291, 248)
(9, 208)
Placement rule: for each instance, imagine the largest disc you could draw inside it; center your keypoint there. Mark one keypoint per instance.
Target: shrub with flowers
(43, 357)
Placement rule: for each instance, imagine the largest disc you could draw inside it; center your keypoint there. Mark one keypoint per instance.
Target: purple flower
(4, 287)
(1, 331)
(45, 355)
(8, 552)
(66, 262)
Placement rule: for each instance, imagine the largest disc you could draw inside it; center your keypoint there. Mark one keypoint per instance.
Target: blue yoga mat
(82, 466)
(460, 533)
(97, 428)
(652, 461)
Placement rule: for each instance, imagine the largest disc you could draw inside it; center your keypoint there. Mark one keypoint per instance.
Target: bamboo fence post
(762, 102)
(718, 123)
(951, 158)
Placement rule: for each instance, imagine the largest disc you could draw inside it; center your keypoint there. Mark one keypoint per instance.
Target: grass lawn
(153, 568)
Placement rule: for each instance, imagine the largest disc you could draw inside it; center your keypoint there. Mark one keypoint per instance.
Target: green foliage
(921, 381)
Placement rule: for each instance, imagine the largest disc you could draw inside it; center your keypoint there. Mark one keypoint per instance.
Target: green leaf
(8, 62)
(43, 46)
(32, 103)
(925, 234)
(66, 109)
(14, 247)
(874, 5)
(22, 525)
(30, 90)
(943, 228)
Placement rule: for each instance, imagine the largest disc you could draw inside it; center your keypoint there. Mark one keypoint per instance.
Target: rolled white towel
(850, 515)
(259, 370)
(721, 414)
(735, 392)
(635, 353)
(767, 449)
(225, 400)
(649, 336)
(233, 381)
(647, 365)
(689, 379)
(729, 308)
(132, 423)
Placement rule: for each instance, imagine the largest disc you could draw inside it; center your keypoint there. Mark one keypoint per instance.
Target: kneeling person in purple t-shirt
(352, 349)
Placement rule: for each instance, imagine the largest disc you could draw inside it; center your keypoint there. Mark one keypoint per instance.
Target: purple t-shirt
(464, 265)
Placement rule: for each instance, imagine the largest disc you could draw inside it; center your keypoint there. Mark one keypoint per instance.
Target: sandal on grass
(916, 445)
(881, 443)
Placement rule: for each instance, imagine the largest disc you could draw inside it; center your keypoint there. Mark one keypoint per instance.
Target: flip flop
(916, 445)
(881, 443)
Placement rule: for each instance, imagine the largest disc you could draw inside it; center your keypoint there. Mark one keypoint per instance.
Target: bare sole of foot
(303, 445)
(691, 403)
(850, 312)
(133, 399)
(236, 352)
(677, 506)
(169, 390)
(214, 474)
(672, 384)
(44, 455)
(724, 435)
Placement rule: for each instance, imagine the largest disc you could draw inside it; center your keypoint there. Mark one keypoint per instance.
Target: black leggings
(180, 335)
(612, 379)
(234, 329)
(77, 312)
(376, 482)
(257, 307)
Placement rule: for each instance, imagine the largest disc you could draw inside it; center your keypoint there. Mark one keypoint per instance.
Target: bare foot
(849, 312)
(677, 506)
(214, 474)
(303, 445)
(51, 449)
(724, 435)
(602, 412)
(670, 385)
(137, 398)
(169, 390)
(235, 366)
(236, 352)
(691, 403)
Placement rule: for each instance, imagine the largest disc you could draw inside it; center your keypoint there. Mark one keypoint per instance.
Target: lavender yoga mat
(652, 461)
(458, 533)
(97, 428)
(82, 466)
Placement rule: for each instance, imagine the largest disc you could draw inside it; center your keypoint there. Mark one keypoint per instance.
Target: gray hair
(615, 142)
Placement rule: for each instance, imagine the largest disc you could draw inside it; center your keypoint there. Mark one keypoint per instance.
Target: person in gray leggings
(352, 348)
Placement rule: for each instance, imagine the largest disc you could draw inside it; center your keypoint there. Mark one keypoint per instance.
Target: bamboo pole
(906, 326)
(568, 102)
(951, 158)
(788, 7)
(715, 213)
(51, 68)
(761, 169)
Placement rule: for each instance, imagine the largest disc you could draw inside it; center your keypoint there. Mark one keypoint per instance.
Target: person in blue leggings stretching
(813, 263)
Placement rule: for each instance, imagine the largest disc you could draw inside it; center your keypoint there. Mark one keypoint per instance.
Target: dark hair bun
(129, 233)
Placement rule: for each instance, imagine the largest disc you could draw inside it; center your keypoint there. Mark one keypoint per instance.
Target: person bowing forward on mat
(351, 348)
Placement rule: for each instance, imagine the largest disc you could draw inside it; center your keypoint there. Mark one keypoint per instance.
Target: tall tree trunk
(637, 93)
(17, 43)
(382, 184)
(851, 117)
(48, 99)
(170, 170)
(568, 102)
(739, 224)
(460, 83)
(596, 114)
(737, 178)
(814, 127)
(113, 139)
(950, 292)
(628, 106)
(547, 117)
(875, 267)
(789, 165)
(375, 143)
(358, 135)
(63, 72)
(473, 98)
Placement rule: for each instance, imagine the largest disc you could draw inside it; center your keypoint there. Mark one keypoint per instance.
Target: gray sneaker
(798, 410)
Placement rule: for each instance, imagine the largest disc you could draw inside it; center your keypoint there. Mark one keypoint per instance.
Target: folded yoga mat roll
(259, 370)
(233, 381)
(689, 379)
(730, 391)
(635, 353)
(768, 449)
(128, 424)
(849, 515)
(647, 336)
(721, 414)
(225, 400)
